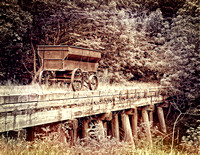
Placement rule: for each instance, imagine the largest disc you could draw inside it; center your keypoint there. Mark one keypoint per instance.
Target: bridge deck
(21, 111)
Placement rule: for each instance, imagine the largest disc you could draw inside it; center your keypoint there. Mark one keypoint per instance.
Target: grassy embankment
(98, 145)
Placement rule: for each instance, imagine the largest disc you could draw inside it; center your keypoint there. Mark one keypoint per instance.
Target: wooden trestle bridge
(112, 110)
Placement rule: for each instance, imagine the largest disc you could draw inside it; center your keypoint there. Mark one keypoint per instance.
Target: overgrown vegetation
(149, 40)
(95, 143)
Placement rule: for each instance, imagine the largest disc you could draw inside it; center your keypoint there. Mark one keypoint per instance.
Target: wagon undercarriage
(76, 78)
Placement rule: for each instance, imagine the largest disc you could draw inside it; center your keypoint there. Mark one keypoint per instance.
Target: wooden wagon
(69, 64)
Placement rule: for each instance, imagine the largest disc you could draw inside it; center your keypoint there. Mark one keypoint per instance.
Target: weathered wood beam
(151, 110)
(106, 116)
(73, 131)
(22, 111)
(151, 118)
(126, 126)
(30, 133)
(145, 118)
(161, 119)
(101, 133)
(85, 128)
(115, 126)
(130, 111)
(105, 126)
(134, 123)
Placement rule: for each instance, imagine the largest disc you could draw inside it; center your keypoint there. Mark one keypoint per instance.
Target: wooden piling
(70, 127)
(101, 133)
(126, 126)
(161, 119)
(30, 133)
(134, 123)
(106, 116)
(105, 126)
(145, 118)
(73, 131)
(151, 118)
(85, 127)
(115, 126)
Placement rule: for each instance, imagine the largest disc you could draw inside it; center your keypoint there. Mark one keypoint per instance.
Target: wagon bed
(69, 64)
(62, 58)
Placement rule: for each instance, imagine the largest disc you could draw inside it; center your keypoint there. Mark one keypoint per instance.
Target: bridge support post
(101, 129)
(126, 126)
(73, 131)
(161, 119)
(30, 133)
(85, 127)
(105, 126)
(106, 117)
(145, 118)
(151, 110)
(134, 123)
(115, 126)
(151, 118)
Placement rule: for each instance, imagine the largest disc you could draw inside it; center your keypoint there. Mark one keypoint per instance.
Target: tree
(15, 23)
(182, 55)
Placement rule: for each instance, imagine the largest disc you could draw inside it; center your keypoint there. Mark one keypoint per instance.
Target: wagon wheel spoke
(93, 82)
(77, 79)
(44, 77)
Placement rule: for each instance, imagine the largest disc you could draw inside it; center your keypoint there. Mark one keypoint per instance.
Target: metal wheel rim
(93, 82)
(45, 79)
(77, 80)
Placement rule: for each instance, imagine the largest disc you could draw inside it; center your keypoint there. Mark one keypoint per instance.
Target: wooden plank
(55, 96)
(17, 107)
(24, 120)
(68, 95)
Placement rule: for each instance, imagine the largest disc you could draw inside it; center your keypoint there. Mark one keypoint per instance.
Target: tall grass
(14, 89)
(95, 144)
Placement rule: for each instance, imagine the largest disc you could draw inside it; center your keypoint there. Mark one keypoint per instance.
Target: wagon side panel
(52, 64)
(85, 66)
(52, 57)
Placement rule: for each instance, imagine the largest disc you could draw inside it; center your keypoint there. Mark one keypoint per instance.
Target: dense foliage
(140, 40)
(181, 53)
(14, 25)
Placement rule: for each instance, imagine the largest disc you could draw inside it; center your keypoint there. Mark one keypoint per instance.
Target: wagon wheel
(44, 77)
(93, 82)
(77, 79)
